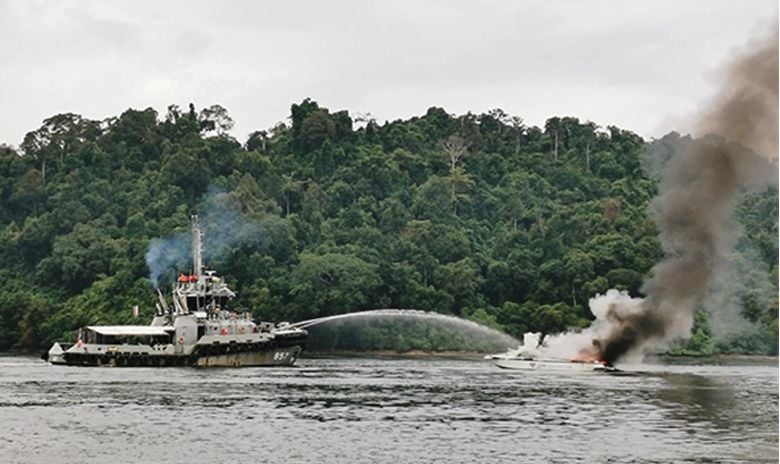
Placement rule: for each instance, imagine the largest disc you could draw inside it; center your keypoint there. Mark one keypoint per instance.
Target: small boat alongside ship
(526, 358)
(196, 329)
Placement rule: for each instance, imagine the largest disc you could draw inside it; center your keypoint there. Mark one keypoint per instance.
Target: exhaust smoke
(225, 227)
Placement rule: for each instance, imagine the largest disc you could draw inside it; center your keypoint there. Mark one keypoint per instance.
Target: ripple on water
(380, 410)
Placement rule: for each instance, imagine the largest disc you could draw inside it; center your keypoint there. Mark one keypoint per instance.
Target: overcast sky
(645, 66)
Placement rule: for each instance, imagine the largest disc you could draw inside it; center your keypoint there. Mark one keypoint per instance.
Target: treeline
(479, 216)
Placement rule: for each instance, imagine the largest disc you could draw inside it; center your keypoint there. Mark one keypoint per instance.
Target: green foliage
(322, 285)
(755, 340)
(480, 216)
(700, 343)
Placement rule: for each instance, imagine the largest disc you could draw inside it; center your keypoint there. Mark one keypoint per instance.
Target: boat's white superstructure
(547, 364)
(526, 357)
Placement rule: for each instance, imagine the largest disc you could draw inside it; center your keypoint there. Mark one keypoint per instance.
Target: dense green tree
(333, 283)
(482, 216)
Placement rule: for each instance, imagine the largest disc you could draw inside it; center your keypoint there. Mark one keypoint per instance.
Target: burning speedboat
(529, 356)
(195, 329)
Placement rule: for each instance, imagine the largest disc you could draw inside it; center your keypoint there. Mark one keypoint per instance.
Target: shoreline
(726, 357)
(475, 355)
(411, 354)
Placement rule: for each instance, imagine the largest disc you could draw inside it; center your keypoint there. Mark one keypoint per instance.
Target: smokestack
(197, 247)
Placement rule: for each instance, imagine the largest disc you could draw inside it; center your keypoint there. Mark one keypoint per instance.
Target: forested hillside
(478, 216)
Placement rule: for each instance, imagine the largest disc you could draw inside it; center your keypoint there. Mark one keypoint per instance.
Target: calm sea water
(386, 411)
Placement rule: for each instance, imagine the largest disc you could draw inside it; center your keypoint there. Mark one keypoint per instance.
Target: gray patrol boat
(195, 330)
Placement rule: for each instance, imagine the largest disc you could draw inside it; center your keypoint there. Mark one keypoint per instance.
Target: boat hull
(548, 365)
(251, 353)
(278, 357)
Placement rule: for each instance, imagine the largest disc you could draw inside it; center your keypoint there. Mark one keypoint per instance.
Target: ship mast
(197, 247)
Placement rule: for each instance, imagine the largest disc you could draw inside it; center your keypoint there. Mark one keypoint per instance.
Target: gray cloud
(640, 66)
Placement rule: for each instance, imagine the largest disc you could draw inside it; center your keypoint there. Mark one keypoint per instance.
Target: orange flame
(586, 356)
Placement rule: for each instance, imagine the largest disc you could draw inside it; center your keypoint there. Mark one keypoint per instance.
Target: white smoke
(224, 227)
(579, 344)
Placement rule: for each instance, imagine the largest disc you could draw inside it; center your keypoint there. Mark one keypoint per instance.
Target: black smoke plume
(699, 189)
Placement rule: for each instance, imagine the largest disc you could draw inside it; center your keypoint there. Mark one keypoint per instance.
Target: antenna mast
(197, 247)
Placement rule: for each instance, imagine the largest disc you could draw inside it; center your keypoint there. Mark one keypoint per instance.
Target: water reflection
(694, 398)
